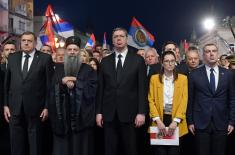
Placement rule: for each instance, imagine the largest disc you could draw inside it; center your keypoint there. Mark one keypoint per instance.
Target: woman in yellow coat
(168, 95)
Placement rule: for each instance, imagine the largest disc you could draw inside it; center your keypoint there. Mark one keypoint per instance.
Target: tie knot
(27, 56)
(119, 56)
(212, 70)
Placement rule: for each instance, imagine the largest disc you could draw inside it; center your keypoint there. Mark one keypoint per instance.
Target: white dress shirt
(123, 53)
(30, 59)
(216, 73)
(168, 91)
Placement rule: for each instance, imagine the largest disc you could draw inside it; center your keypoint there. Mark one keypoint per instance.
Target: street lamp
(59, 42)
(209, 23)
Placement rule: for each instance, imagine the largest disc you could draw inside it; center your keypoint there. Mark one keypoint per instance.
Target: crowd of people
(91, 101)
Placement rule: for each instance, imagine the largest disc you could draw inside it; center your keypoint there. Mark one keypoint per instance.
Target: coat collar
(33, 65)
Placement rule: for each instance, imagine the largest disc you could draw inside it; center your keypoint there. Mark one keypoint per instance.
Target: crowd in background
(91, 113)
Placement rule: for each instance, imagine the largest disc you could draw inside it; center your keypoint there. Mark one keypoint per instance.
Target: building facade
(222, 36)
(16, 17)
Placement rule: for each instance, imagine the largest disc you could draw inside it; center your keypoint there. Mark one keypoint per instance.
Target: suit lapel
(19, 64)
(160, 95)
(113, 67)
(221, 78)
(176, 92)
(33, 64)
(126, 66)
(204, 74)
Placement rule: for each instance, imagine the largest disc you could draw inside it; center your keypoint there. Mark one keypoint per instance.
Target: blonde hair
(86, 54)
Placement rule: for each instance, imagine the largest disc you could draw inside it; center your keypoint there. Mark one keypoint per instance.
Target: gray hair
(72, 64)
(151, 49)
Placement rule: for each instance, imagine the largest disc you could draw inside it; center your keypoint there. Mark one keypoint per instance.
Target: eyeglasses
(170, 62)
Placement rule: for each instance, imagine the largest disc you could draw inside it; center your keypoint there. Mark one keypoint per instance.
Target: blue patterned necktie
(212, 80)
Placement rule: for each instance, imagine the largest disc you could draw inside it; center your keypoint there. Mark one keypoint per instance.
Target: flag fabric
(53, 27)
(61, 27)
(91, 41)
(104, 41)
(64, 28)
(49, 12)
(47, 35)
(186, 45)
(138, 36)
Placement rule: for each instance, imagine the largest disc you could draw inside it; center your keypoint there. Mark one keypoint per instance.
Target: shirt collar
(123, 53)
(216, 68)
(168, 78)
(31, 54)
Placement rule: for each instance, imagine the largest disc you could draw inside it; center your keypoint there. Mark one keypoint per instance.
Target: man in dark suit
(8, 47)
(192, 61)
(211, 104)
(122, 96)
(26, 88)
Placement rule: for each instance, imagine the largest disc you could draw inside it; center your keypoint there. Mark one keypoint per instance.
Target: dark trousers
(4, 137)
(187, 145)
(25, 135)
(120, 134)
(166, 150)
(210, 141)
(143, 138)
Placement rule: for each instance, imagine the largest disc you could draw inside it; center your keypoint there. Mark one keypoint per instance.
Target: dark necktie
(148, 69)
(212, 80)
(25, 66)
(119, 67)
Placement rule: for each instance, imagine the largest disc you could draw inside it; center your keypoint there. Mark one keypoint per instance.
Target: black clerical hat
(73, 40)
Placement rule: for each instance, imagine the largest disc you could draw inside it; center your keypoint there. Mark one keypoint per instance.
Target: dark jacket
(31, 93)
(126, 98)
(204, 105)
(84, 97)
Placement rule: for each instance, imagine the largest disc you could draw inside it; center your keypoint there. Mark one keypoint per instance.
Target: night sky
(166, 19)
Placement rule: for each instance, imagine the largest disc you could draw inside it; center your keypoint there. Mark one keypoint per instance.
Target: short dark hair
(29, 33)
(95, 51)
(192, 48)
(223, 55)
(175, 73)
(120, 29)
(46, 45)
(209, 44)
(96, 62)
(98, 45)
(167, 43)
(11, 42)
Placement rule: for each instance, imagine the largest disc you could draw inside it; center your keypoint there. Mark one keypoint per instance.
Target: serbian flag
(47, 35)
(104, 41)
(61, 27)
(138, 36)
(91, 41)
(186, 46)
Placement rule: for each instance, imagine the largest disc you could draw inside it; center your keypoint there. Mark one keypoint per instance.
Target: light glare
(209, 23)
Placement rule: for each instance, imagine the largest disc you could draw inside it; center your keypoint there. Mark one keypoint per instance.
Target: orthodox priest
(72, 103)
